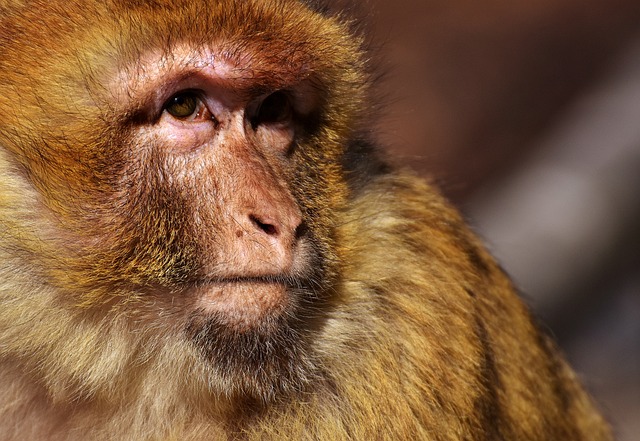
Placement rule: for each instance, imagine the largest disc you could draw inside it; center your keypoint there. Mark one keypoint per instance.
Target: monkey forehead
(242, 73)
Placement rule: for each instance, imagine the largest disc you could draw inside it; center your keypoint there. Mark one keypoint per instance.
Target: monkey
(200, 240)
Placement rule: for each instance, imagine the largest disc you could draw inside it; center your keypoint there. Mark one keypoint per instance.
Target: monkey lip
(243, 301)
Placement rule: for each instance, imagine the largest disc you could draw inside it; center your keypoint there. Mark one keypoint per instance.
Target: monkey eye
(275, 108)
(187, 106)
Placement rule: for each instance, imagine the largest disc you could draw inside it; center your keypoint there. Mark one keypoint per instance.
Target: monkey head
(183, 162)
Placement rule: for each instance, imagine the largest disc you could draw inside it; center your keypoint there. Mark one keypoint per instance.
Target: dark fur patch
(319, 6)
(488, 409)
(362, 164)
(470, 249)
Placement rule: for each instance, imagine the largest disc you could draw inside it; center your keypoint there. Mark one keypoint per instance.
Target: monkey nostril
(267, 228)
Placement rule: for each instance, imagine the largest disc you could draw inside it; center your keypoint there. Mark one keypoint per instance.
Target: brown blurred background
(527, 115)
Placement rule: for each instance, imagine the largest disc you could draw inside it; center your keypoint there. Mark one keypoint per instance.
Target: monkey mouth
(244, 302)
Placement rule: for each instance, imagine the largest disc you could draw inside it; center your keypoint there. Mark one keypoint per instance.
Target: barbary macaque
(198, 241)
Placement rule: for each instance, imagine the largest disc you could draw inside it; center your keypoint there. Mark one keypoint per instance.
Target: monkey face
(188, 172)
(215, 170)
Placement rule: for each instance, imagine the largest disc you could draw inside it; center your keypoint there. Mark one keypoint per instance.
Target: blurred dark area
(527, 116)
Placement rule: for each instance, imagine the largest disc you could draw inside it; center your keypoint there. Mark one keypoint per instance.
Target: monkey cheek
(242, 305)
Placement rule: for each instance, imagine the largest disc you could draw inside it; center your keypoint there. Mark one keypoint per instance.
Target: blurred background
(527, 115)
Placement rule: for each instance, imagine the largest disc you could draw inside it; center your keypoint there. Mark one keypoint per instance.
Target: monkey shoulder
(401, 216)
(450, 327)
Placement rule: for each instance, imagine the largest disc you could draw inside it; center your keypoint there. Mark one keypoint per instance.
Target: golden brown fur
(404, 328)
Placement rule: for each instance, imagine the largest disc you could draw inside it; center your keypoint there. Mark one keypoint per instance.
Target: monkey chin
(243, 304)
(253, 338)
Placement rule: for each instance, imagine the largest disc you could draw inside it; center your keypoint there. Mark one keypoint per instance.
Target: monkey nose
(266, 240)
(284, 227)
